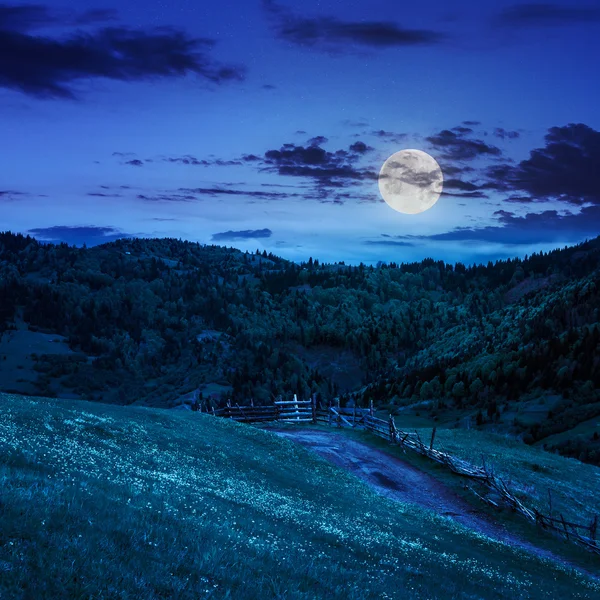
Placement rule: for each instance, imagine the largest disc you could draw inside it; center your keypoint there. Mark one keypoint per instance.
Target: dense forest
(511, 346)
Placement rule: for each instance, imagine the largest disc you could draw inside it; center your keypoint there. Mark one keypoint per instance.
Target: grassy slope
(105, 501)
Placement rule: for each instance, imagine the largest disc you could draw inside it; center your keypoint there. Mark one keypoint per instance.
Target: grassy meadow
(100, 501)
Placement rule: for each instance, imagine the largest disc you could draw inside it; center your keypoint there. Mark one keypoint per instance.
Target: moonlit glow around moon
(411, 181)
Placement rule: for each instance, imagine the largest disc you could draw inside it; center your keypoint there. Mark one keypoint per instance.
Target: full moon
(411, 181)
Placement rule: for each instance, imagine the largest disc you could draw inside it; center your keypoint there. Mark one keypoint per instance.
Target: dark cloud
(242, 235)
(458, 184)
(359, 123)
(220, 191)
(213, 162)
(462, 130)
(21, 18)
(390, 135)
(534, 228)
(502, 133)
(387, 243)
(103, 195)
(87, 234)
(360, 148)
(330, 33)
(49, 67)
(326, 169)
(471, 123)
(268, 86)
(250, 158)
(542, 14)
(135, 163)
(167, 198)
(478, 194)
(123, 154)
(318, 140)
(455, 145)
(565, 169)
(10, 194)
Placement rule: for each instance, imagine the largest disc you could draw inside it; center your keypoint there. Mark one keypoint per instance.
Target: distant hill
(510, 346)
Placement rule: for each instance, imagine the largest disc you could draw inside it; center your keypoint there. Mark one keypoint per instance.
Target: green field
(100, 501)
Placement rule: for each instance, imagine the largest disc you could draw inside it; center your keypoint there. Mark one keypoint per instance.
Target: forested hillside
(511, 345)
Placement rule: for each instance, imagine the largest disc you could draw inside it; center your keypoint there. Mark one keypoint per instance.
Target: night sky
(264, 124)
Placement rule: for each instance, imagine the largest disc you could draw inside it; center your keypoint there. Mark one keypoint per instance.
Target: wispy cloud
(49, 67)
(333, 34)
(242, 235)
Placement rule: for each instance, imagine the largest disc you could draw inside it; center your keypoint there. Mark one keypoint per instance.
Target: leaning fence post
(432, 438)
(564, 526)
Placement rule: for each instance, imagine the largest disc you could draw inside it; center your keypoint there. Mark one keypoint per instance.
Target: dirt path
(394, 478)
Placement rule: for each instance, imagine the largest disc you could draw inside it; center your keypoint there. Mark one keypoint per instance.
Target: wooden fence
(286, 411)
(305, 411)
(582, 534)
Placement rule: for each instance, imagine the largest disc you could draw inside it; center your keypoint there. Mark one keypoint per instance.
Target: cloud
(455, 145)
(390, 135)
(330, 33)
(167, 198)
(9, 195)
(318, 140)
(49, 67)
(326, 169)
(220, 191)
(192, 160)
(502, 133)
(387, 243)
(103, 195)
(78, 235)
(135, 163)
(242, 235)
(544, 14)
(533, 228)
(472, 123)
(360, 148)
(565, 169)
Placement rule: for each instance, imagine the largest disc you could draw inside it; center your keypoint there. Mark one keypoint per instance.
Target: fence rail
(305, 411)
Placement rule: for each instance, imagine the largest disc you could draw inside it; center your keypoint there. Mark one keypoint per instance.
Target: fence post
(371, 412)
(329, 412)
(391, 424)
(337, 405)
(432, 438)
(314, 408)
